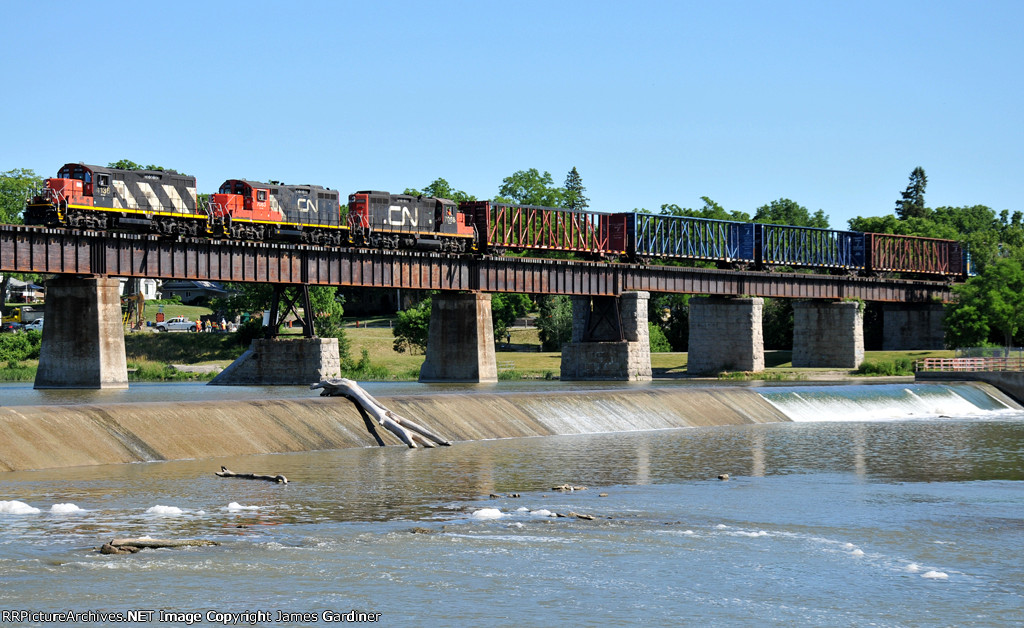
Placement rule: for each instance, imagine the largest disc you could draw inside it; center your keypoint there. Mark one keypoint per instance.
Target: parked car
(177, 323)
(36, 325)
(9, 327)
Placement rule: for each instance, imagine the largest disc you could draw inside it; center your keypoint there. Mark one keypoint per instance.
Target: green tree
(787, 212)
(327, 314)
(574, 198)
(505, 309)
(411, 329)
(530, 187)
(440, 188)
(874, 224)
(658, 342)
(711, 210)
(16, 186)
(128, 164)
(243, 298)
(911, 205)
(554, 321)
(675, 323)
(965, 326)
(994, 299)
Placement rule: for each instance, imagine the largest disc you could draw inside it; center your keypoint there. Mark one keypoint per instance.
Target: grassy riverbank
(190, 356)
(156, 356)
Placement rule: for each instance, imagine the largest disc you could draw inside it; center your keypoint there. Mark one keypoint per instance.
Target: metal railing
(1013, 363)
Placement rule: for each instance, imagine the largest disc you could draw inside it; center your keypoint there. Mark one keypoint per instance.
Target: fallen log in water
(131, 546)
(409, 432)
(227, 473)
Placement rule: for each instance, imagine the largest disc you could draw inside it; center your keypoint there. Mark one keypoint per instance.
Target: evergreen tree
(574, 198)
(912, 203)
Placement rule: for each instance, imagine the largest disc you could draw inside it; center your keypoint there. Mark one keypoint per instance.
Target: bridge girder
(58, 251)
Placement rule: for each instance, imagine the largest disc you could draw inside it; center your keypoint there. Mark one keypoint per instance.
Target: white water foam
(164, 510)
(17, 508)
(235, 507)
(487, 513)
(882, 402)
(65, 509)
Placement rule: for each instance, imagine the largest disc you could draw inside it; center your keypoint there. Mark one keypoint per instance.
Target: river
(847, 516)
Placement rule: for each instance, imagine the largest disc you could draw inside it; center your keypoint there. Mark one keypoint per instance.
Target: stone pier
(828, 334)
(460, 344)
(610, 339)
(83, 338)
(283, 362)
(725, 335)
(912, 326)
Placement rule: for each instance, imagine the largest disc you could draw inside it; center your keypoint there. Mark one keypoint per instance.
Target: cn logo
(401, 215)
(307, 205)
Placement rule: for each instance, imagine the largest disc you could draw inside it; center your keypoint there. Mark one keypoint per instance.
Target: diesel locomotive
(165, 202)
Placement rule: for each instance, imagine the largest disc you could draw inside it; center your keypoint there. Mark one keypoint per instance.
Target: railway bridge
(83, 336)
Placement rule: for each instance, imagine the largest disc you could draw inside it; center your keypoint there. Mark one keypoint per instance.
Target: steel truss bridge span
(26, 249)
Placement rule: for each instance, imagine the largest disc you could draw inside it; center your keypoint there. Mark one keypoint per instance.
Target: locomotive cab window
(261, 195)
(103, 180)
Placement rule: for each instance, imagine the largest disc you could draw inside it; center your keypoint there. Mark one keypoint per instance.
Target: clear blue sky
(830, 104)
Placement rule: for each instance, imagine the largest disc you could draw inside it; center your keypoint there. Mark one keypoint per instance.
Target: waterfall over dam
(39, 437)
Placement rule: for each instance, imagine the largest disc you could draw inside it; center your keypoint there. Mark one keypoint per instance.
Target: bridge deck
(58, 251)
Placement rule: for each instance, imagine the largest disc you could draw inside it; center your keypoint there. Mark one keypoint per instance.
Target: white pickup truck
(177, 323)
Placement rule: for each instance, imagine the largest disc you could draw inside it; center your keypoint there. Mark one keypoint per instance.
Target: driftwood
(409, 432)
(227, 473)
(131, 546)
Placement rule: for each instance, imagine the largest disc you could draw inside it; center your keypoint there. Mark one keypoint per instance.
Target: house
(148, 287)
(193, 292)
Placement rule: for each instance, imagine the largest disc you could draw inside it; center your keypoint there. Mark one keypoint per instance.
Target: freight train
(165, 202)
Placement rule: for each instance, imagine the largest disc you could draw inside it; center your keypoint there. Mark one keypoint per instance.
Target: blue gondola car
(781, 245)
(657, 236)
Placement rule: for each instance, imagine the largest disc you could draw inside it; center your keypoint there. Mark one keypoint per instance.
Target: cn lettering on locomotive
(403, 216)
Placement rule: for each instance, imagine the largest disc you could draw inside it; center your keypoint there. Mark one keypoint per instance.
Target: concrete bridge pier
(828, 334)
(610, 339)
(283, 361)
(725, 335)
(460, 344)
(83, 338)
(913, 326)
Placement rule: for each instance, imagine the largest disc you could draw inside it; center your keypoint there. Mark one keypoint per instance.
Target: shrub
(363, 369)
(20, 346)
(659, 343)
(899, 366)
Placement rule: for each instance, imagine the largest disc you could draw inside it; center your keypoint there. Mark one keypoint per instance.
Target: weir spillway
(53, 436)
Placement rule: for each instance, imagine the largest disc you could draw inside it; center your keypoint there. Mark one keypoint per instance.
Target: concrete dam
(53, 436)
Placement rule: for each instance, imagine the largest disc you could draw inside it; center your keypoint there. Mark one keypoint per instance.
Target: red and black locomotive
(250, 210)
(400, 221)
